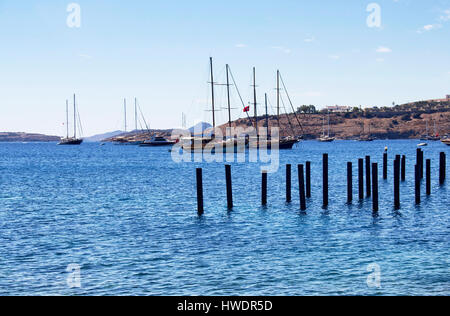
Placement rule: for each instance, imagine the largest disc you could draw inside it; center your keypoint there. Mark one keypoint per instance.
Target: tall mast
(125, 112)
(67, 118)
(328, 124)
(278, 93)
(74, 117)
(267, 118)
(254, 99)
(228, 95)
(212, 94)
(135, 114)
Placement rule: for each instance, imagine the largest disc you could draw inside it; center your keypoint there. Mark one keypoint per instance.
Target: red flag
(246, 109)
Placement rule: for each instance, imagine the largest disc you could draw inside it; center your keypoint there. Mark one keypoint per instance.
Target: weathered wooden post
(349, 182)
(368, 182)
(325, 181)
(397, 184)
(308, 179)
(385, 166)
(200, 207)
(288, 183)
(442, 167)
(420, 162)
(264, 188)
(229, 187)
(301, 181)
(403, 168)
(361, 178)
(375, 187)
(417, 184)
(428, 176)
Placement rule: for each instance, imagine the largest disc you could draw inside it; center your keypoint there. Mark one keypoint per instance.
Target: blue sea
(127, 217)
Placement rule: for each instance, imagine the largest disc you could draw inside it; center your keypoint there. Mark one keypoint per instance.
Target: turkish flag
(246, 109)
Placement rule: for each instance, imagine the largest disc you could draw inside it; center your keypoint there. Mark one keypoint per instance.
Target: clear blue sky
(158, 51)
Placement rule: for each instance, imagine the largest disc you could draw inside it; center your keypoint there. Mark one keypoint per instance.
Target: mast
(328, 124)
(135, 114)
(125, 112)
(278, 94)
(67, 118)
(74, 117)
(212, 94)
(254, 99)
(228, 95)
(323, 126)
(267, 117)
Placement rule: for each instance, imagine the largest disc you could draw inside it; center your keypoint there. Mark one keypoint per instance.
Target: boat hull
(71, 142)
(157, 144)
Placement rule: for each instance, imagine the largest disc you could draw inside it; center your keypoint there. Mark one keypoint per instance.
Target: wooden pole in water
(375, 187)
(385, 166)
(397, 184)
(349, 182)
(301, 181)
(288, 183)
(368, 182)
(403, 168)
(442, 167)
(361, 178)
(264, 188)
(417, 184)
(325, 180)
(200, 207)
(428, 172)
(308, 179)
(229, 187)
(421, 164)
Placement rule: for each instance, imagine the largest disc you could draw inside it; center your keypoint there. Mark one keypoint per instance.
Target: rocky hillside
(401, 122)
(25, 137)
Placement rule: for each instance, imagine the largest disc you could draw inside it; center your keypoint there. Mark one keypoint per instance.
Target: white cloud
(241, 45)
(384, 50)
(429, 27)
(445, 15)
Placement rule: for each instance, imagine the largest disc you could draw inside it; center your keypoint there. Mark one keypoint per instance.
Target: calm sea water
(127, 217)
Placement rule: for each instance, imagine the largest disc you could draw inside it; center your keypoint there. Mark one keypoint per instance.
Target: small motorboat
(157, 141)
(446, 141)
(422, 145)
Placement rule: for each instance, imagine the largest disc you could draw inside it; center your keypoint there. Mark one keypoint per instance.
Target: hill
(26, 137)
(399, 122)
(101, 137)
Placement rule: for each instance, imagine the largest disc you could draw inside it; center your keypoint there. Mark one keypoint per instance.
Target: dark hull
(74, 142)
(157, 145)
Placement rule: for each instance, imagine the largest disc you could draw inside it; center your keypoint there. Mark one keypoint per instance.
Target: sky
(158, 51)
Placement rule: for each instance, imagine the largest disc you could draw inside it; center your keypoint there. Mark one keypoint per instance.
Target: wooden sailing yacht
(198, 143)
(286, 142)
(71, 140)
(366, 138)
(326, 138)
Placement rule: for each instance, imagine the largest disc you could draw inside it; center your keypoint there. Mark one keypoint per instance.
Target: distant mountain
(26, 137)
(100, 137)
(200, 127)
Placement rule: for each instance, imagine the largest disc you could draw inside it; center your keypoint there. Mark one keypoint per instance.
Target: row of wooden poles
(371, 170)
